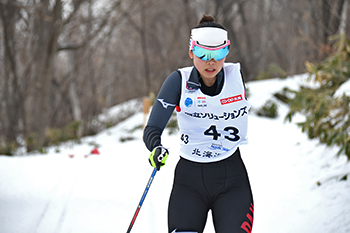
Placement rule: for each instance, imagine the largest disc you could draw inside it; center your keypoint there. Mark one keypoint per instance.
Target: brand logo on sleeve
(165, 104)
(232, 99)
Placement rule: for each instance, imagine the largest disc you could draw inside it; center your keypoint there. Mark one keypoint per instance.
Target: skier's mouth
(210, 70)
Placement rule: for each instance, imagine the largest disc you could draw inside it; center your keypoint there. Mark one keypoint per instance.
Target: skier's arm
(164, 105)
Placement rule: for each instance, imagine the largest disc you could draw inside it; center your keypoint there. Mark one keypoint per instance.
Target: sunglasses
(207, 53)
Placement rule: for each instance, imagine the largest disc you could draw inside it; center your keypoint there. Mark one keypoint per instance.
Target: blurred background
(63, 62)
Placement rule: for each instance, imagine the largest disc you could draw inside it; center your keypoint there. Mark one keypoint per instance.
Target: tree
(13, 93)
(327, 113)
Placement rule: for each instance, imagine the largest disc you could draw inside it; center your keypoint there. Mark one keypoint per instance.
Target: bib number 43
(232, 133)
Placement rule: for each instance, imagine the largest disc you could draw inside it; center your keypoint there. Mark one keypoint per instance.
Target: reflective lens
(207, 53)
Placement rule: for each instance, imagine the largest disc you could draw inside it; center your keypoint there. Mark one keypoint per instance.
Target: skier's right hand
(158, 157)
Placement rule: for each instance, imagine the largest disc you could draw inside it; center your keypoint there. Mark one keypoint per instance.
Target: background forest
(62, 62)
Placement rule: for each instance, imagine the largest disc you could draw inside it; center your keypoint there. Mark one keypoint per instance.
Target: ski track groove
(48, 203)
(61, 196)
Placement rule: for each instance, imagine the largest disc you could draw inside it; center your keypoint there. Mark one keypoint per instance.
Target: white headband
(209, 36)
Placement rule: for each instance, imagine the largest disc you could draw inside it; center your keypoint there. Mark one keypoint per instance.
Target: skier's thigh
(187, 211)
(230, 211)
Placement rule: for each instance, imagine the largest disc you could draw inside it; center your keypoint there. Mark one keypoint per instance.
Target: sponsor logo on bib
(201, 102)
(232, 99)
(188, 102)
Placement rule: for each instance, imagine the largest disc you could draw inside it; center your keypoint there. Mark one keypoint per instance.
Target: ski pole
(142, 199)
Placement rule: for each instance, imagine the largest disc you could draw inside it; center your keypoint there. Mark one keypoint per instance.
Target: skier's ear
(190, 53)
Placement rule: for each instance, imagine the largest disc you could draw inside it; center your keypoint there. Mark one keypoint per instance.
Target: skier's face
(207, 69)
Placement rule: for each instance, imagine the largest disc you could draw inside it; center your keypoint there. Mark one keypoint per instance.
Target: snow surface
(343, 89)
(54, 193)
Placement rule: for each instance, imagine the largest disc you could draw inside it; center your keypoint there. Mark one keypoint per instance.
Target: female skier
(212, 113)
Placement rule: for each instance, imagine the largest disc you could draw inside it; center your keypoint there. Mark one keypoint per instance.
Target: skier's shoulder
(174, 77)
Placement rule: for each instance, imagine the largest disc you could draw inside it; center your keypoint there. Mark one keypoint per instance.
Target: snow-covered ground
(55, 193)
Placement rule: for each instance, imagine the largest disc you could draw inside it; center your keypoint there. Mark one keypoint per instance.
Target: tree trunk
(46, 32)
(73, 96)
(265, 35)
(342, 24)
(12, 92)
(144, 48)
(337, 16)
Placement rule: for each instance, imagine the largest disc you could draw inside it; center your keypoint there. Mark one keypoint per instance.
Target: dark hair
(209, 21)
